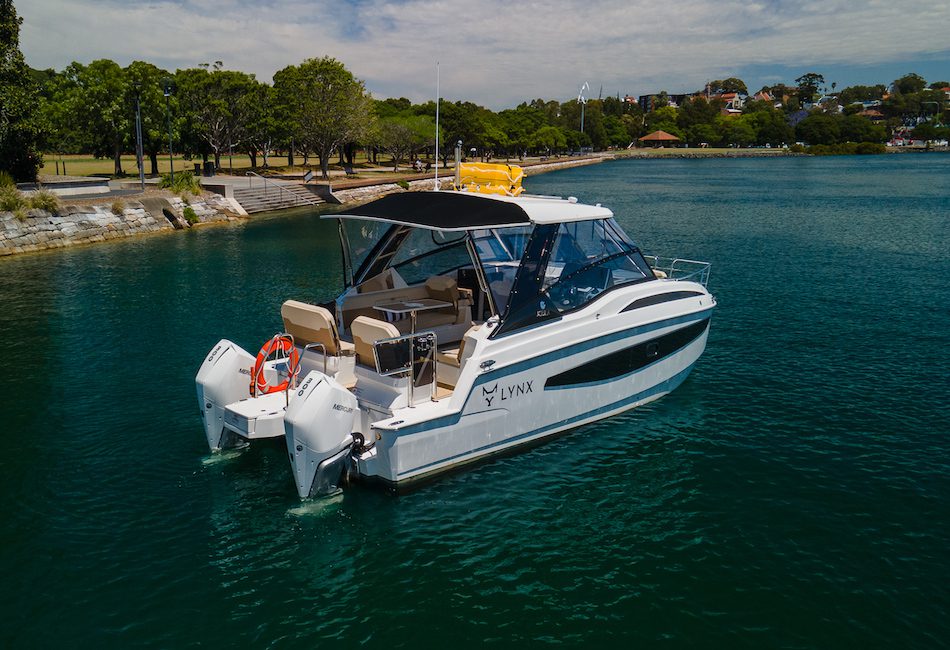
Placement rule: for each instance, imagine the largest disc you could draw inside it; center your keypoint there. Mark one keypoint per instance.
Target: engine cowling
(224, 378)
(318, 426)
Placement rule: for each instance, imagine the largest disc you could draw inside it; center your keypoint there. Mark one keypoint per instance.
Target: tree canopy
(21, 129)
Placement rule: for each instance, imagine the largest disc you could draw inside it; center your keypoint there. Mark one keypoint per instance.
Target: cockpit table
(399, 308)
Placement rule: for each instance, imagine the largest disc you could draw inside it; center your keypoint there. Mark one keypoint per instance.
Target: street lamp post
(167, 87)
(138, 137)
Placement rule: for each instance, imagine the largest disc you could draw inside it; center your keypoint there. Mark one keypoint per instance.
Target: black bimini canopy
(441, 211)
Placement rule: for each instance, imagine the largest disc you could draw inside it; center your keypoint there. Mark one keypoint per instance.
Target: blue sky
(500, 53)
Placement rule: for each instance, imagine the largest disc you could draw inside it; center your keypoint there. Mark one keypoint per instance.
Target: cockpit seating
(312, 324)
(366, 331)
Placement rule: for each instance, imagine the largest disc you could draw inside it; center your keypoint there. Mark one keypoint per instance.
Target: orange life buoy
(283, 345)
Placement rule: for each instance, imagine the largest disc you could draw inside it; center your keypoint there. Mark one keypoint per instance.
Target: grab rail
(680, 269)
(250, 184)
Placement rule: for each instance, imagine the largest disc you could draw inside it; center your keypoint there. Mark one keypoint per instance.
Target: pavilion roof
(659, 136)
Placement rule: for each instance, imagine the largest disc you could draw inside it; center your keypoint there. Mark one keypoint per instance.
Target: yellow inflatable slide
(490, 178)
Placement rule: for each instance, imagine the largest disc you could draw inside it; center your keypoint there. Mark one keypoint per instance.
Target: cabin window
(425, 253)
(587, 258)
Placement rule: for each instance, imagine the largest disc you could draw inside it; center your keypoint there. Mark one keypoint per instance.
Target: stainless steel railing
(680, 269)
(269, 183)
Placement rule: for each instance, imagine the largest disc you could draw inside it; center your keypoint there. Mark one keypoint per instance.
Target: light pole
(138, 136)
(167, 87)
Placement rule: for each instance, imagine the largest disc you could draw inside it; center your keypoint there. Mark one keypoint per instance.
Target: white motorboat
(470, 325)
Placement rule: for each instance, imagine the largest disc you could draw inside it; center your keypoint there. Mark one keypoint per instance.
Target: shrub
(6, 180)
(118, 207)
(11, 199)
(797, 148)
(184, 182)
(403, 184)
(45, 200)
(847, 149)
(20, 213)
(190, 215)
(870, 148)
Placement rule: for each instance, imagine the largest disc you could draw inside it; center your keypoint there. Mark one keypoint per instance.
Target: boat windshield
(589, 257)
(500, 251)
(567, 265)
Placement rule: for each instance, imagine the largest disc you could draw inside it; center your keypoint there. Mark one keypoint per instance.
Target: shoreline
(85, 222)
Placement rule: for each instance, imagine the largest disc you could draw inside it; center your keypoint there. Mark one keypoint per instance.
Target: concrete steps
(264, 199)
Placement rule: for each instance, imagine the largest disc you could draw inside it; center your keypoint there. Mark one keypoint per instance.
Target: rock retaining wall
(83, 224)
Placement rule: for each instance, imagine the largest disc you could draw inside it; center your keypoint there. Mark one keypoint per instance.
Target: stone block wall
(84, 224)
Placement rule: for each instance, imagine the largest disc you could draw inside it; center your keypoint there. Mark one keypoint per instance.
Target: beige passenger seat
(451, 360)
(366, 331)
(312, 324)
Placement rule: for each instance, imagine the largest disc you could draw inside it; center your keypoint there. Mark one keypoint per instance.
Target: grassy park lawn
(86, 165)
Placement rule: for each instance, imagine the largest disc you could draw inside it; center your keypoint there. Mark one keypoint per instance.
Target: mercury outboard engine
(319, 425)
(224, 377)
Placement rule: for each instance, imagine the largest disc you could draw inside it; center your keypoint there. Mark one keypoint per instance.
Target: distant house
(763, 96)
(733, 101)
(872, 114)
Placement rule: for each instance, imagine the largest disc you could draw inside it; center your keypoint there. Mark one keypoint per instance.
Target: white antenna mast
(438, 97)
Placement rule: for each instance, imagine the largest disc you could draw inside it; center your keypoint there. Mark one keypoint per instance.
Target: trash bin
(197, 169)
(209, 169)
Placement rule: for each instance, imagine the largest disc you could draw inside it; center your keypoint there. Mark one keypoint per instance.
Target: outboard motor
(319, 424)
(224, 378)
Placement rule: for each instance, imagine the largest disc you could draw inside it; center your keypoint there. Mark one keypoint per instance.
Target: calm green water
(792, 493)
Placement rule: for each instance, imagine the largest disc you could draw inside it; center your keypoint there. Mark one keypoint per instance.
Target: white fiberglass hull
(575, 382)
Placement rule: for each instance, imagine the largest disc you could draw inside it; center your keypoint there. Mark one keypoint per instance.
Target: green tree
(403, 135)
(548, 140)
(662, 119)
(697, 111)
(617, 135)
(909, 83)
(95, 108)
(771, 127)
(330, 106)
(856, 128)
(738, 131)
(808, 85)
(730, 85)
(210, 101)
(818, 128)
(925, 131)
(633, 123)
(21, 131)
(265, 123)
(702, 133)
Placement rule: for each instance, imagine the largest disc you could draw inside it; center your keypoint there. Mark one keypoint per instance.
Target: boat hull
(540, 397)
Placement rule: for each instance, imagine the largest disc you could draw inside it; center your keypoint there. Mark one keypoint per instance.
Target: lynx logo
(507, 392)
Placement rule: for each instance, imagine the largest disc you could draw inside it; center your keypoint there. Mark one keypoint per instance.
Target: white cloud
(492, 52)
